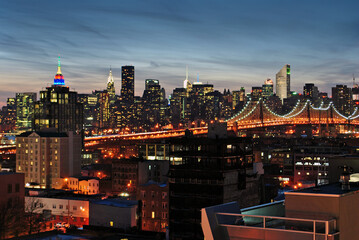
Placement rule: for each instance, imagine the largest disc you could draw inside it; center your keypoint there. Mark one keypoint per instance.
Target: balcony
(243, 226)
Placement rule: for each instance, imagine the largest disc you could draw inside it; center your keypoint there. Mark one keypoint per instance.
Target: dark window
(17, 187)
(9, 188)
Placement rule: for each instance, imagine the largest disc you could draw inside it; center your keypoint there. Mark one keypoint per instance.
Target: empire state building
(58, 107)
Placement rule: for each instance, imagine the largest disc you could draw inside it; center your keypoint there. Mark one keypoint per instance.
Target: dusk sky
(228, 43)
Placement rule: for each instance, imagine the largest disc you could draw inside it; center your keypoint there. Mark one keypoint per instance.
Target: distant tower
(283, 82)
(111, 87)
(186, 83)
(128, 83)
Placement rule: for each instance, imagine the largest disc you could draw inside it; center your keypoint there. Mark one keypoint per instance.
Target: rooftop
(116, 203)
(151, 182)
(44, 134)
(329, 189)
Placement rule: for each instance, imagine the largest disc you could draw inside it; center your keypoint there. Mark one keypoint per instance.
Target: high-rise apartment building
(8, 116)
(283, 82)
(152, 101)
(177, 104)
(25, 106)
(310, 91)
(128, 84)
(342, 99)
(256, 93)
(103, 109)
(90, 110)
(207, 172)
(267, 88)
(58, 107)
(46, 157)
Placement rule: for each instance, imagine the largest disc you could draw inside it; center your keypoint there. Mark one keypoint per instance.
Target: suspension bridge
(257, 114)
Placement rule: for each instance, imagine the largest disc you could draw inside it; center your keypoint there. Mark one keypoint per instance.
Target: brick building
(154, 198)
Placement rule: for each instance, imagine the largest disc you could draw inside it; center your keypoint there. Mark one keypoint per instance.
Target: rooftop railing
(313, 229)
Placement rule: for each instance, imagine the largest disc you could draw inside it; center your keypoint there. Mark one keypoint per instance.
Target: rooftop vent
(345, 177)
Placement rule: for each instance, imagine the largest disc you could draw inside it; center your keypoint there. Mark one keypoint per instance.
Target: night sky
(228, 43)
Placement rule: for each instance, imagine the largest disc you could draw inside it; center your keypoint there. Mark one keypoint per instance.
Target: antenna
(186, 72)
(353, 80)
(197, 77)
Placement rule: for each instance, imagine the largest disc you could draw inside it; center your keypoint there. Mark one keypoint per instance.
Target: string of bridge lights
(294, 112)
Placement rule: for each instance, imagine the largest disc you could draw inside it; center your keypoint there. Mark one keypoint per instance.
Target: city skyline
(229, 45)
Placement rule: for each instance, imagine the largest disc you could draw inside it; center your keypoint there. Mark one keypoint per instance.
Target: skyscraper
(111, 88)
(58, 107)
(256, 93)
(342, 99)
(267, 88)
(128, 84)
(25, 104)
(283, 82)
(152, 101)
(310, 91)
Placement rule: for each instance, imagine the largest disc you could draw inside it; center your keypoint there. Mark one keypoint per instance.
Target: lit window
(111, 223)
(298, 173)
(153, 214)
(307, 173)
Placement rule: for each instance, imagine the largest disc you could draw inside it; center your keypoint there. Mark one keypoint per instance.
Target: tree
(32, 214)
(11, 214)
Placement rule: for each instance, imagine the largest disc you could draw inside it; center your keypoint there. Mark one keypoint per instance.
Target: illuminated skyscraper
(186, 83)
(25, 104)
(310, 91)
(128, 84)
(58, 107)
(111, 88)
(267, 88)
(342, 99)
(256, 93)
(152, 102)
(283, 82)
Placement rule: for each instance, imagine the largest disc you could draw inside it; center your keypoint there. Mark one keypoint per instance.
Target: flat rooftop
(116, 203)
(329, 189)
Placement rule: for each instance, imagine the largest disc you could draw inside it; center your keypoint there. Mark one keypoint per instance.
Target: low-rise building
(114, 213)
(82, 185)
(62, 206)
(128, 174)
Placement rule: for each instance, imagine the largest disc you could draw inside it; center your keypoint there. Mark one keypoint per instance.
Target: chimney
(345, 177)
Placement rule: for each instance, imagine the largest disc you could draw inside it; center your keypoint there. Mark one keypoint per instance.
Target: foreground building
(12, 193)
(208, 172)
(46, 157)
(326, 212)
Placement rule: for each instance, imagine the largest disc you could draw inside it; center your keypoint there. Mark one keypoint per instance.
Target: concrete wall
(315, 206)
(122, 217)
(348, 216)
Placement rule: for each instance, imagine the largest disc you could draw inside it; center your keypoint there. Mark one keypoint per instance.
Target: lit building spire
(110, 77)
(59, 66)
(59, 78)
(111, 88)
(187, 84)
